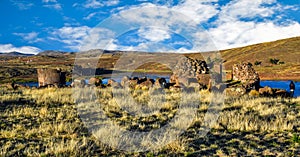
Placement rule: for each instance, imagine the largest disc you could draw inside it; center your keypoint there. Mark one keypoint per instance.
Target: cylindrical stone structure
(51, 77)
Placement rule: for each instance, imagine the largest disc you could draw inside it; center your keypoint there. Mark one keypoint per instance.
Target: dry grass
(43, 122)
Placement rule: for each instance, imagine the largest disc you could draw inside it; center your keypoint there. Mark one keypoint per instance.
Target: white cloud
(153, 34)
(24, 49)
(22, 5)
(82, 38)
(248, 9)
(200, 11)
(56, 6)
(90, 16)
(98, 4)
(237, 34)
(70, 35)
(237, 23)
(31, 37)
(47, 1)
(52, 4)
(232, 31)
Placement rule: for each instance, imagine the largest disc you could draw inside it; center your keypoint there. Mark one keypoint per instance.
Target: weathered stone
(187, 69)
(125, 81)
(51, 77)
(78, 83)
(266, 91)
(110, 82)
(148, 83)
(160, 83)
(95, 81)
(247, 75)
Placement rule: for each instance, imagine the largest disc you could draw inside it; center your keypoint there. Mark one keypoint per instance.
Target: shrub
(274, 61)
(257, 63)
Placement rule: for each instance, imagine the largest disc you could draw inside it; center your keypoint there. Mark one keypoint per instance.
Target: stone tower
(51, 77)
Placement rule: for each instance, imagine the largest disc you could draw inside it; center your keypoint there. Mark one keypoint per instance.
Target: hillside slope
(286, 50)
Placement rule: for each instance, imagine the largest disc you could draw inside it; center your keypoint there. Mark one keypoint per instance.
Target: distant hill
(53, 53)
(15, 54)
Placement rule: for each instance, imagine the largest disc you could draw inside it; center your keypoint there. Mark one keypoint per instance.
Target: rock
(95, 81)
(160, 83)
(51, 77)
(78, 83)
(266, 91)
(133, 83)
(187, 69)
(125, 81)
(281, 93)
(247, 75)
(110, 82)
(148, 83)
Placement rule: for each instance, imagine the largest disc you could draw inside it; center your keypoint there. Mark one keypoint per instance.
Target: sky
(142, 25)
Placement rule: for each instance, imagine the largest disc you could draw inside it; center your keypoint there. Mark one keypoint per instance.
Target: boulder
(125, 81)
(266, 91)
(78, 83)
(110, 82)
(95, 81)
(148, 83)
(160, 83)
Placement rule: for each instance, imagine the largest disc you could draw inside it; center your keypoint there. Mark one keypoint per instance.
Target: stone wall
(245, 73)
(188, 68)
(51, 77)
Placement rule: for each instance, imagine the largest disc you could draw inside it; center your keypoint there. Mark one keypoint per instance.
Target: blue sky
(159, 25)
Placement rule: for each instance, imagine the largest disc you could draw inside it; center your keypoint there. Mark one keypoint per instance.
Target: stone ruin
(247, 75)
(191, 72)
(51, 77)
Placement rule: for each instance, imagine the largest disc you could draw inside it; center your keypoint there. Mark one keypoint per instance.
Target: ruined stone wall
(188, 67)
(51, 77)
(246, 74)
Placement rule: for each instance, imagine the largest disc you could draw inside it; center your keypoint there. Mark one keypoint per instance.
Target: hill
(287, 51)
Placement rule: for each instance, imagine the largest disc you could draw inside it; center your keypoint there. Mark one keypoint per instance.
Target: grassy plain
(46, 122)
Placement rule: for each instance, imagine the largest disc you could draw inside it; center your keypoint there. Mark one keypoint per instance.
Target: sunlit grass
(48, 122)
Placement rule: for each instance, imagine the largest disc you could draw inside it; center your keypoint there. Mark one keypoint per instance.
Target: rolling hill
(286, 51)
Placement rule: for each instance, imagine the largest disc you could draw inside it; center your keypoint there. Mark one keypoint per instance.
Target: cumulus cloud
(31, 37)
(243, 22)
(72, 36)
(237, 23)
(83, 37)
(200, 11)
(234, 24)
(5, 48)
(153, 34)
(98, 4)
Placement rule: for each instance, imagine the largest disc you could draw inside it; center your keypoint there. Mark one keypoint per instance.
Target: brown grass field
(46, 122)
